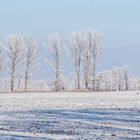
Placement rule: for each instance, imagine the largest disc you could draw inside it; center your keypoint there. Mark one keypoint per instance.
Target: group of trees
(18, 56)
(21, 55)
(84, 49)
(116, 79)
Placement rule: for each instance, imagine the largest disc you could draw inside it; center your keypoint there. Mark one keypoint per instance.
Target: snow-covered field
(70, 116)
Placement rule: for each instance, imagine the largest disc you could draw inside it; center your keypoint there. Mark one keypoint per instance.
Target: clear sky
(118, 21)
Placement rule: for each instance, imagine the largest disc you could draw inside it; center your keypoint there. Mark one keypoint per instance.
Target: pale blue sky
(118, 21)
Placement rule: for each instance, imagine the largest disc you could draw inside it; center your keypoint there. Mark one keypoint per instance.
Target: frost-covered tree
(30, 59)
(126, 78)
(15, 56)
(84, 49)
(75, 51)
(53, 46)
(86, 60)
(90, 42)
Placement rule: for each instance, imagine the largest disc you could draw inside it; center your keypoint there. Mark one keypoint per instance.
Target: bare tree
(86, 59)
(53, 45)
(126, 78)
(75, 51)
(94, 48)
(30, 58)
(15, 57)
(90, 53)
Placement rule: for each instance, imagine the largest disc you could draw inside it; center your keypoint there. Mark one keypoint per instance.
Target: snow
(70, 116)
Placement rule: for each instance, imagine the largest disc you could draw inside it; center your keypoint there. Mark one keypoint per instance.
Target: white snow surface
(70, 116)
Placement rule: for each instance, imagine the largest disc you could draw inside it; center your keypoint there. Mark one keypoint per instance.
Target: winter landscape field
(69, 70)
(70, 116)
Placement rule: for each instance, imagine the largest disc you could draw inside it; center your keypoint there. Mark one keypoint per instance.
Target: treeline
(18, 55)
(117, 79)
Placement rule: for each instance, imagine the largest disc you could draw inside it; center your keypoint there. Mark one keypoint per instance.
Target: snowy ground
(70, 116)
